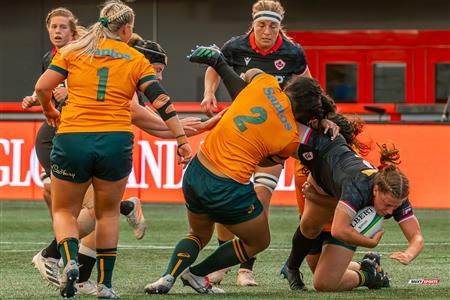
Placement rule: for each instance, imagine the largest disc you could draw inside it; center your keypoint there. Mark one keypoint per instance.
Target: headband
(268, 15)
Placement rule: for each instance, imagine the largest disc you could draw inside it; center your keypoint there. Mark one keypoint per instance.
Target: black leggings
(44, 144)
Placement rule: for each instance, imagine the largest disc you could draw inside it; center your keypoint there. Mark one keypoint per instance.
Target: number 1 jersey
(100, 90)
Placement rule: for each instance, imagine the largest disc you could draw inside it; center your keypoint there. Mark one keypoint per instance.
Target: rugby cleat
(217, 276)
(161, 286)
(375, 257)
(48, 267)
(104, 292)
(70, 275)
(375, 280)
(86, 288)
(294, 277)
(246, 277)
(136, 219)
(200, 284)
(210, 56)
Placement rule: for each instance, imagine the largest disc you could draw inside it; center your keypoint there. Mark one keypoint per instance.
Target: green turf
(25, 228)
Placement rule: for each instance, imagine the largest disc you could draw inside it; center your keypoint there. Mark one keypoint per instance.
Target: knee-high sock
(51, 250)
(227, 255)
(106, 259)
(301, 246)
(232, 81)
(184, 255)
(86, 259)
(68, 248)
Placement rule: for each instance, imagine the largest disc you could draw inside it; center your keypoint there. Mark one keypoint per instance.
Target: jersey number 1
(259, 119)
(101, 91)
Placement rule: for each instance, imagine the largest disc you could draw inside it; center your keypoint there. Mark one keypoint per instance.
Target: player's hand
(29, 101)
(53, 116)
(329, 125)
(208, 100)
(209, 124)
(308, 190)
(191, 123)
(376, 239)
(184, 154)
(60, 93)
(402, 257)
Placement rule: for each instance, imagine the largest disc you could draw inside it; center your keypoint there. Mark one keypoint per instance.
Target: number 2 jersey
(100, 90)
(258, 124)
(343, 174)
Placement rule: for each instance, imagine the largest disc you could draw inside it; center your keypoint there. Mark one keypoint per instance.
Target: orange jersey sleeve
(100, 89)
(259, 123)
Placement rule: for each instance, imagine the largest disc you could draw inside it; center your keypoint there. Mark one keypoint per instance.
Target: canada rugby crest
(308, 155)
(279, 64)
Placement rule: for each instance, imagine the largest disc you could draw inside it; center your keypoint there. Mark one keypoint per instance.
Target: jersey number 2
(260, 118)
(101, 91)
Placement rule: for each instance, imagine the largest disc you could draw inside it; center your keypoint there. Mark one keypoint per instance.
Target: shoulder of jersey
(235, 41)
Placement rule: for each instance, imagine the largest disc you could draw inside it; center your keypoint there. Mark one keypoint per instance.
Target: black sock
(301, 246)
(52, 250)
(126, 207)
(87, 263)
(232, 81)
(248, 264)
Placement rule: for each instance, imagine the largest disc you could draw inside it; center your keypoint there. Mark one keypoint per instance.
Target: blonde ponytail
(113, 16)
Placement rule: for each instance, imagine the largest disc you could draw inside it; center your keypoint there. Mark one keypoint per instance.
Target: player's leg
(312, 222)
(201, 228)
(107, 211)
(66, 205)
(43, 146)
(332, 273)
(87, 254)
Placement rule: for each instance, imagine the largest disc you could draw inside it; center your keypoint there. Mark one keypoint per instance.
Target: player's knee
(321, 285)
(309, 231)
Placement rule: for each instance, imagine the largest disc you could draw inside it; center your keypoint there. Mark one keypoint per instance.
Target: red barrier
(425, 155)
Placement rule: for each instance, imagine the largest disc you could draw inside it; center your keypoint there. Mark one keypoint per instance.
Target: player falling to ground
(267, 47)
(355, 184)
(94, 140)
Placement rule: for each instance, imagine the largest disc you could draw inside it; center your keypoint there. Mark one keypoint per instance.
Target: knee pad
(266, 180)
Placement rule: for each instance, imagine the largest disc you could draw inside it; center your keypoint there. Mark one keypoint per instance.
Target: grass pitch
(25, 229)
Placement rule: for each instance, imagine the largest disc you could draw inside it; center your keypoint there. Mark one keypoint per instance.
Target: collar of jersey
(264, 53)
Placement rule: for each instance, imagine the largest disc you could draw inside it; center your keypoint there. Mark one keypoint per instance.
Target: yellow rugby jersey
(259, 123)
(100, 90)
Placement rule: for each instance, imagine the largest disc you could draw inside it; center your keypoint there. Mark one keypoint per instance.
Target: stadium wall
(181, 24)
(156, 177)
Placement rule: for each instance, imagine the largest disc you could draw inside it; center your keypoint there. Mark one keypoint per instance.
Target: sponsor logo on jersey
(279, 64)
(308, 155)
(247, 60)
(112, 53)
(269, 92)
